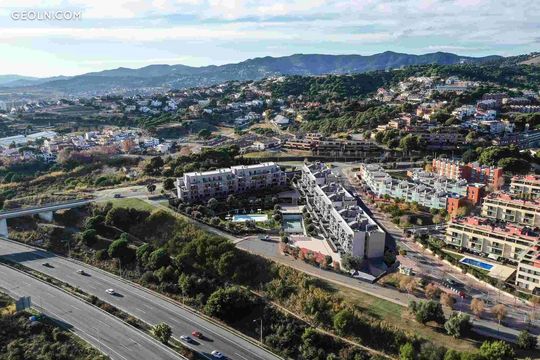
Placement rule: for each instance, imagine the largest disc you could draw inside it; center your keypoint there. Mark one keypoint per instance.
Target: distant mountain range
(182, 76)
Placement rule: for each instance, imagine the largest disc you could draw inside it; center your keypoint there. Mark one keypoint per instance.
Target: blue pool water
(476, 263)
(292, 224)
(253, 217)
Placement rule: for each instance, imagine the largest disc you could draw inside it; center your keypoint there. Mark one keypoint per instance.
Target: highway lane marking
(243, 357)
(141, 310)
(101, 343)
(131, 289)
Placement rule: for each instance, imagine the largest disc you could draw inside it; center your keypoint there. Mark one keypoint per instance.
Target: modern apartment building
(486, 236)
(336, 214)
(200, 186)
(472, 172)
(528, 271)
(520, 245)
(526, 186)
(433, 194)
(337, 147)
(503, 206)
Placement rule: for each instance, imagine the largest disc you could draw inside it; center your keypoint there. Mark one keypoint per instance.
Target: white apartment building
(464, 111)
(486, 236)
(526, 186)
(520, 245)
(337, 216)
(381, 184)
(528, 271)
(503, 206)
(200, 186)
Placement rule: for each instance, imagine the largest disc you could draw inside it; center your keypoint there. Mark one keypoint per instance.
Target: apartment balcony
(455, 242)
(494, 250)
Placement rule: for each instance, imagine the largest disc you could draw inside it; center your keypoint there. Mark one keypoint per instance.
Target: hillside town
(422, 190)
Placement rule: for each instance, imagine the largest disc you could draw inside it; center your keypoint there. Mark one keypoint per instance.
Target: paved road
(44, 208)
(106, 333)
(269, 250)
(143, 304)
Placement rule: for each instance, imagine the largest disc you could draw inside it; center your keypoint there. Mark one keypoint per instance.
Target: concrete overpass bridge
(45, 212)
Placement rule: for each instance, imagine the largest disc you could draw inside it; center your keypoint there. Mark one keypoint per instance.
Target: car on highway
(46, 264)
(186, 338)
(217, 354)
(197, 334)
(81, 272)
(110, 291)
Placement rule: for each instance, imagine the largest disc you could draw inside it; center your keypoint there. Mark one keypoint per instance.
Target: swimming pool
(292, 224)
(250, 217)
(476, 263)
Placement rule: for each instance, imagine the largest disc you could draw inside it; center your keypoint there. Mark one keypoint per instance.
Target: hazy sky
(135, 33)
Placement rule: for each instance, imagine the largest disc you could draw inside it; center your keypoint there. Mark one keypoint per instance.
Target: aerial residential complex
(427, 189)
(503, 206)
(472, 172)
(526, 186)
(200, 186)
(500, 240)
(336, 214)
(381, 184)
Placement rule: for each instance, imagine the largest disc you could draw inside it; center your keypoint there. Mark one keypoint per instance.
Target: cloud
(247, 28)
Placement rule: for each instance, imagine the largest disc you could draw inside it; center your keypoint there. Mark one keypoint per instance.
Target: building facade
(526, 186)
(486, 236)
(505, 207)
(337, 216)
(201, 186)
(528, 271)
(432, 194)
(519, 245)
(472, 172)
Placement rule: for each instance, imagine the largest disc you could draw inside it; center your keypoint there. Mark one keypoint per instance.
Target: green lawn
(452, 254)
(137, 204)
(398, 316)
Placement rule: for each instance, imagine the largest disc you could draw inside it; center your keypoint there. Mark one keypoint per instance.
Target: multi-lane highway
(139, 302)
(106, 333)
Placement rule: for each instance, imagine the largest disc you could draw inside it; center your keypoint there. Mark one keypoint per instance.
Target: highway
(106, 333)
(137, 301)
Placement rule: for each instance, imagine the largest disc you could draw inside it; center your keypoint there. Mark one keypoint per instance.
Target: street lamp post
(261, 329)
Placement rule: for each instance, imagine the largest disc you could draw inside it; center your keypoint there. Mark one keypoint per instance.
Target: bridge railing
(42, 206)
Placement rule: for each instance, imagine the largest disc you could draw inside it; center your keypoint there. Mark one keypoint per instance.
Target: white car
(217, 354)
(110, 291)
(81, 272)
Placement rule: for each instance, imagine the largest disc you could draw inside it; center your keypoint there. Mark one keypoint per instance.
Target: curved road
(137, 301)
(106, 333)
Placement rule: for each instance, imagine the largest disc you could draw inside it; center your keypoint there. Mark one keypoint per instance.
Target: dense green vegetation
(332, 87)
(152, 122)
(363, 116)
(21, 339)
(209, 273)
(207, 159)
